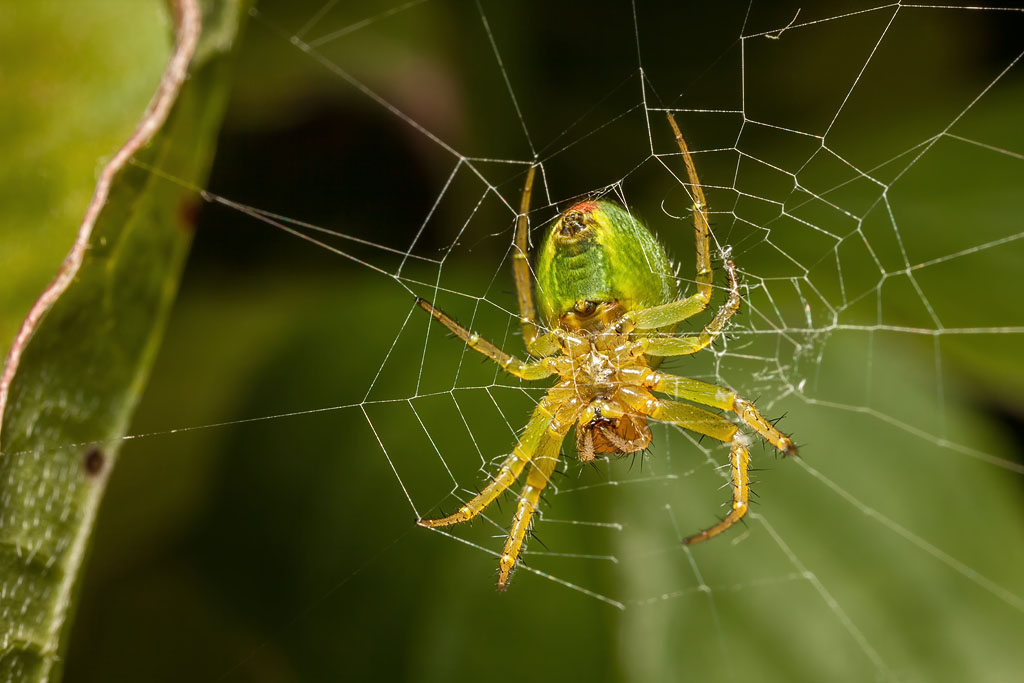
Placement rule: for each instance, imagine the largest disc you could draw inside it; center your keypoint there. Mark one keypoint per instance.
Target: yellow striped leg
(521, 266)
(541, 468)
(717, 427)
(686, 345)
(508, 363)
(676, 311)
(682, 414)
(540, 436)
(669, 314)
(739, 459)
(719, 397)
(700, 213)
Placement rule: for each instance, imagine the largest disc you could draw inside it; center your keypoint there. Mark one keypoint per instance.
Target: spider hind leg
(739, 462)
(542, 433)
(541, 469)
(717, 427)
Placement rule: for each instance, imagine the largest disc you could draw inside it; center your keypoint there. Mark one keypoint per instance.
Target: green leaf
(69, 104)
(80, 361)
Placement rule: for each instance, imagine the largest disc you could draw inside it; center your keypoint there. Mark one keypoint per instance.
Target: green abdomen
(613, 258)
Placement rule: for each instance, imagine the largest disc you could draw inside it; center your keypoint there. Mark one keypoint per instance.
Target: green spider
(609, 302)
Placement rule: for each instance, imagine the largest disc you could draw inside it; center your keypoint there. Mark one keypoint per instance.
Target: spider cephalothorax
(609, 306)
(602, 371)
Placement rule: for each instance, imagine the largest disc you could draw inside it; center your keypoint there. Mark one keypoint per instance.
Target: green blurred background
(284, 549)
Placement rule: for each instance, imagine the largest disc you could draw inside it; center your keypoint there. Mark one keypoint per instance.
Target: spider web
(863, 167)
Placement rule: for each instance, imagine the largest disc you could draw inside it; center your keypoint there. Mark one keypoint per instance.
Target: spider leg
(543, 434)
(684, 415)
(508, 363)
(690, 344)
(717, 427)
(739, 460)
(700, 214)
(536, 343)
(521, 264)
(719, 397)
(541, 468)
(676, 311)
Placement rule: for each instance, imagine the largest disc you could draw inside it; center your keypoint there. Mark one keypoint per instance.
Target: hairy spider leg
(521, 265)
(720, 397)
(541, 434)
(689, 344)
(510, 364)
(700, 214)
(739, 460)
(677, 311)
(717, 427)
(541, 467)
(537, 344)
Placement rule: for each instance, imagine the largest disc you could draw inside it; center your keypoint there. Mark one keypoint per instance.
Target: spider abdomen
(598, 253)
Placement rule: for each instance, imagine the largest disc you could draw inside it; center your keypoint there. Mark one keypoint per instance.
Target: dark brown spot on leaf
(94, 461)
(188, 213)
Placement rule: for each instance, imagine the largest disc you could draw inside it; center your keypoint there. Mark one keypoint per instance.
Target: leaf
(70, 103)
(83, 354)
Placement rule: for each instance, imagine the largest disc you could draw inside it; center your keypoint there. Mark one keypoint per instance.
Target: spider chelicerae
(609, 304)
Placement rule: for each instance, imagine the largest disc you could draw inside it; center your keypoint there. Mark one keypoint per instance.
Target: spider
(609, 303)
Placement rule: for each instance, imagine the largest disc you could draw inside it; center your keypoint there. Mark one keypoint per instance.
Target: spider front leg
(669, 314)
(521, 264)
(510, 364)
(536, 343)
(700, 217)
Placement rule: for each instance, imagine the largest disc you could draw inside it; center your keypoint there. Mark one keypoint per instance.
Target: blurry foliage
(284, 549)
(80, 372)
(71, 103)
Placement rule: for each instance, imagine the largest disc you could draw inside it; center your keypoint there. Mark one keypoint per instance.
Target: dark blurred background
(284, 549)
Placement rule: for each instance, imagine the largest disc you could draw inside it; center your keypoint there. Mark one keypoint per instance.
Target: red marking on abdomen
(584, 207)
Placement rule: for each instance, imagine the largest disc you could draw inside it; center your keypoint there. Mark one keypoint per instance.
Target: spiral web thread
(829, 246)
